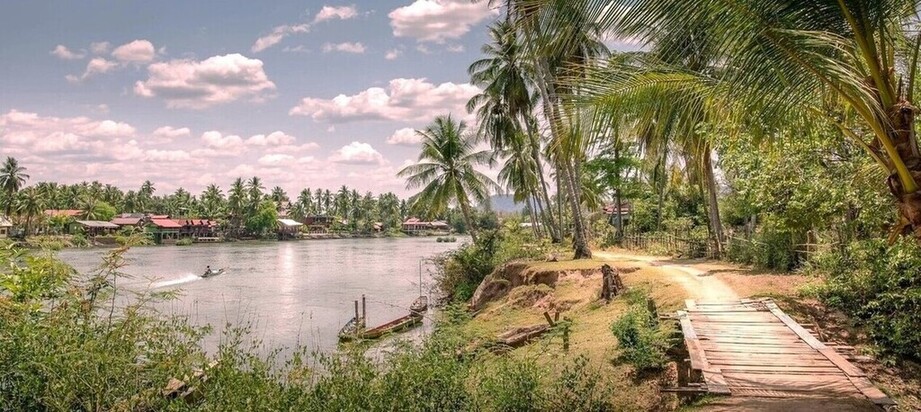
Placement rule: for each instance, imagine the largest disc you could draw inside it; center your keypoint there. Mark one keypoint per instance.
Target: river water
(289, 293)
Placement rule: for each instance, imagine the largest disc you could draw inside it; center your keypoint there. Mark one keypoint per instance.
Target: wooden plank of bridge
(750, 347)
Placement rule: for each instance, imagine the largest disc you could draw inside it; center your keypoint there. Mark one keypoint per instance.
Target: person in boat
(208, 270)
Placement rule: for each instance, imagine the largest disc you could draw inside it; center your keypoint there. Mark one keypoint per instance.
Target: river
(289, 293)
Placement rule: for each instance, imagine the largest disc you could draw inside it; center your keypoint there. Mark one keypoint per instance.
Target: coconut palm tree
(30, 205)
(446, 171)
(850, 63)
(504, 110)
(12, 178)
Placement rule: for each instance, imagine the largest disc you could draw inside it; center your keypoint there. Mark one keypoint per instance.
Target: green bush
(881, 286)
(186, 241)
(642, 342)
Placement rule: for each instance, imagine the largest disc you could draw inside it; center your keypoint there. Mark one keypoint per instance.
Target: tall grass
(68, 343)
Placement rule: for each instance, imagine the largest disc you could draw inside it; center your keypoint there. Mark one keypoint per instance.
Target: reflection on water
(291, 293)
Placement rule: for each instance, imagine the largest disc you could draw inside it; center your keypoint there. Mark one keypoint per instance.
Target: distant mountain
(505, 204)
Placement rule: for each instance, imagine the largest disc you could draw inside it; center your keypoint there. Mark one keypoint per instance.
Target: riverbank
(573, 287)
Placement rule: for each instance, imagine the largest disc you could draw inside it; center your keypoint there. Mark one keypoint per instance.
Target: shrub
(186, 241)
(641, 341)
(879, 285)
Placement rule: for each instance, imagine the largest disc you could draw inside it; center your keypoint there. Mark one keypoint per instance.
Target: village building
(288, 229)
(415, 226)
(129, 220)
(318, 224)
(94, 228)
(6, 226)
(623, 214)
(198, 229)
(163, 229)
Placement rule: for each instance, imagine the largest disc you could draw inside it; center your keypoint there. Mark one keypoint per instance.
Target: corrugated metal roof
(165, 223)
(5, 222)
(126, 221)
(289, 222)
(98, 224)
(63, 212)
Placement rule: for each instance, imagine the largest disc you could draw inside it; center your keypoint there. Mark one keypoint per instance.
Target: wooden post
(653, 312)
(364, 312)
(566, 323)
(549, 320)
(356, 312)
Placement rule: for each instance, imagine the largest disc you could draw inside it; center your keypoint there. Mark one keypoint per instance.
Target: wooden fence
(669, 243)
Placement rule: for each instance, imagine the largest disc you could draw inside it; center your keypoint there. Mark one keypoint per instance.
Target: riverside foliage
(68, 343)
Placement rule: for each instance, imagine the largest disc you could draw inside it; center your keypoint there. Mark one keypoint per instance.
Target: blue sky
(186, 93)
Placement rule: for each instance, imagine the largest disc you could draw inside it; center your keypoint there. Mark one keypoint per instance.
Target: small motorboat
(211, 272)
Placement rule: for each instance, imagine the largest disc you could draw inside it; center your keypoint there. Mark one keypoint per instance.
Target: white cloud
(30, 133)
(101, 108)
(392, 54)
(296, 49)
(217, 80)
(357, 153)
(135, 52)
(217, 140)
(63, 53)
(346, 47)
(273, 139)
(331, 12)
(438, 20)
(275, 159)
(456, 48)
(406, 136)
(403, 99)
(277, 35)
(101, 47)
(96, 65)
(167, 155)
(169, 132)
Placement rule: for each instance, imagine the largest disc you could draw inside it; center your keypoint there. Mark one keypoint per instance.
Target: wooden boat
(393, 326)
(352, 327)
(211, 273)
(420, 305)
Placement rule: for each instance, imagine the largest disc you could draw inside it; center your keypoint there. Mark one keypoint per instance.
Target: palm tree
(12, 178)
(504, 110)
(848, 63)
(446, 171)
(30, 205)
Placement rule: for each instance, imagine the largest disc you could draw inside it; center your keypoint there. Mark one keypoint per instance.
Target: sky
(189, 93)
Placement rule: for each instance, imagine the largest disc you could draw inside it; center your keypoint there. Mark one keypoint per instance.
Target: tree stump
(611, 283)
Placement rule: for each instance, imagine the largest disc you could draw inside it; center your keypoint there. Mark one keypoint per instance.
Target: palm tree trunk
(620, 217)
(533, 217)
(716, 226)
(579, 234)
(465, 211)
(902, 134)
(555, 232)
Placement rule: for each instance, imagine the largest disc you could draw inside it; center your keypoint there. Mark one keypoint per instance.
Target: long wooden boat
(393, 326)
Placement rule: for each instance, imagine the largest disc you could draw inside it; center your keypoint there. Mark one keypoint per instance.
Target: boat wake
(173, 282)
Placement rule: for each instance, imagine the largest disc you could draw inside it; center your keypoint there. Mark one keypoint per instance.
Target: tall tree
(851, 63)
(12, 178)
(446, 171)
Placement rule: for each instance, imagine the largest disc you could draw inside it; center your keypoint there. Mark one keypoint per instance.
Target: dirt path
(699, 284)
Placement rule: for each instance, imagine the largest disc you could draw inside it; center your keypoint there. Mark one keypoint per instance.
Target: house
(5, 227)
(614, 214)
(318, 224)
(416, 226)
(95, 228)
(163, 230)
(74, 213)
(197, 228)
(288, 229)
(129, 220)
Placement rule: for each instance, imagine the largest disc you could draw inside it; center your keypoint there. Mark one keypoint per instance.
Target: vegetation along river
(290, 293)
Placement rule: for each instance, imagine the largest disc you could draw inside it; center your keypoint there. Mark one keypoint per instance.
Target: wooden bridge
(751, 348)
